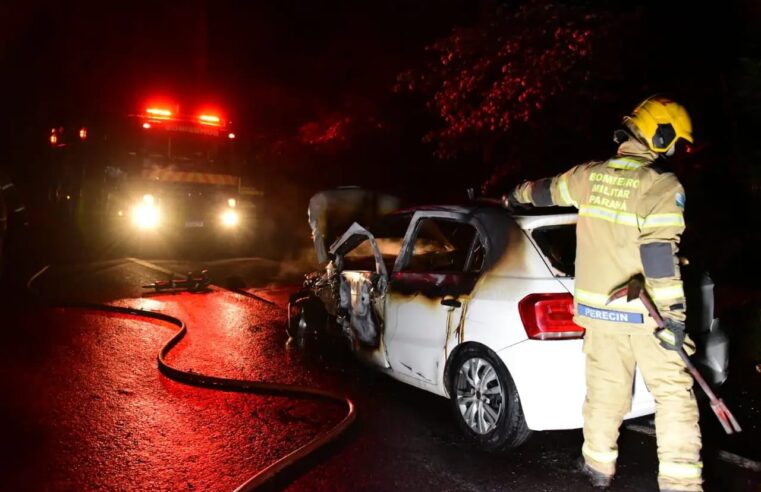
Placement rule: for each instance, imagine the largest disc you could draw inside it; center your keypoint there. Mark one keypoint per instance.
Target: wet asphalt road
(84, 406)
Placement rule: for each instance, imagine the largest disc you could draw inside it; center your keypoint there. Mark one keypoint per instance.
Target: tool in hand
(193, 282)
(635, 290)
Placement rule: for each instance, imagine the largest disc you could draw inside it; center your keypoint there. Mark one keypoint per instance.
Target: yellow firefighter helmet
(660, 122)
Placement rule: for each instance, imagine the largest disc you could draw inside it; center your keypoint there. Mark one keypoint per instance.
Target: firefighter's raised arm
(564, 190)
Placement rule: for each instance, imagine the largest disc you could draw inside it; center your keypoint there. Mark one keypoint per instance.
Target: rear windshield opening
(558, 244)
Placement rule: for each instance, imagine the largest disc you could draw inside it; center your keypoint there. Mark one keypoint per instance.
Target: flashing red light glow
(549, 317)
(160, 112)
(83, 133)
(146, 125)
(209, 119)
(53, 138)
(231, 136)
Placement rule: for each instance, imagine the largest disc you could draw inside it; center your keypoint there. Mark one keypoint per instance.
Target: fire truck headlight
(230, 218)
(145, 216)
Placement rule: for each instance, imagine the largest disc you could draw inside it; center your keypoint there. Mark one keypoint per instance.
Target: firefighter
(630, 222)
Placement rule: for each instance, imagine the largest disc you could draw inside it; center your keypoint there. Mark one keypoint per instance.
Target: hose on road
(231, 385)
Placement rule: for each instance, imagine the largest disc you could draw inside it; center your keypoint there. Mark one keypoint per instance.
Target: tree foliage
(483, 81)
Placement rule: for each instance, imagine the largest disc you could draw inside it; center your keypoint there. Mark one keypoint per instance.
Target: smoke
(302, 262)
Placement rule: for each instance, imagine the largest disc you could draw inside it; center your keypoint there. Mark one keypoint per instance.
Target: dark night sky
(271, 62)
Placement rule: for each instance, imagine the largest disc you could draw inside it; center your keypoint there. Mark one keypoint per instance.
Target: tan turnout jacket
(630, 222)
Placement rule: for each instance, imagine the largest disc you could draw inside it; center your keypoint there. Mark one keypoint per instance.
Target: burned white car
(469, 302)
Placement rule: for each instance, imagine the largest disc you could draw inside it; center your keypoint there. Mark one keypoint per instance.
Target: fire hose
(265, 475)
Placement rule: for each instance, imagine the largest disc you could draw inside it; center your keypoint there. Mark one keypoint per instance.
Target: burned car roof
(529, 218)
(497, 226)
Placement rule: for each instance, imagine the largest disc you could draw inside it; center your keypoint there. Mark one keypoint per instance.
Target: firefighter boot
(597, 479)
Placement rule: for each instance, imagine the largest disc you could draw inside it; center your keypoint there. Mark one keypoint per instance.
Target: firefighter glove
(506, 201)
(671, 335)
(510, 201)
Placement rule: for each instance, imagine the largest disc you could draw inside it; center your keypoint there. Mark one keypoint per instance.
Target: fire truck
(160, 175)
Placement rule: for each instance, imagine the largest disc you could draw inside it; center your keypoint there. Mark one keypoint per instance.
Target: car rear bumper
(550, 378)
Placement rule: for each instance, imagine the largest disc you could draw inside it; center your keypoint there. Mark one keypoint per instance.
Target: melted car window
(558, 244)
(362, 257)
(389, 233)
(445, 246)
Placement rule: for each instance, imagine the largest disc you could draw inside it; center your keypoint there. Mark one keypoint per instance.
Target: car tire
(295, 324)
(305, 314)
(481, 389)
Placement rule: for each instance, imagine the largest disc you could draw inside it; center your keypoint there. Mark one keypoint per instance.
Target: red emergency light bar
(160, 112)
(209, 119)
(160, 115)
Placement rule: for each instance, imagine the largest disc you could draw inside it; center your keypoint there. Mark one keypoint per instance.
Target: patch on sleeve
(680, 200)
(657, 260)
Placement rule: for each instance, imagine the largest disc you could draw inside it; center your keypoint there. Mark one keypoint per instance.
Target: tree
(505, 77)
(489, 78)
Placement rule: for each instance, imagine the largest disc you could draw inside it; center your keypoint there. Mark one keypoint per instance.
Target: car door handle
(453, 303)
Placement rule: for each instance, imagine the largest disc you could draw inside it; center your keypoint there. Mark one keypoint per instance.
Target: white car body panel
(418, 339)
(550, 379)
(493, 319)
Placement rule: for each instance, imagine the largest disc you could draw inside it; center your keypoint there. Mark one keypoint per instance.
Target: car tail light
(549, 317)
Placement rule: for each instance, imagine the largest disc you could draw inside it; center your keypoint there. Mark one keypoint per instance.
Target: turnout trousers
(611, 358)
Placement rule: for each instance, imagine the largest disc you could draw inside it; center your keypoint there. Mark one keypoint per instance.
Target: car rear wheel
(485, 401)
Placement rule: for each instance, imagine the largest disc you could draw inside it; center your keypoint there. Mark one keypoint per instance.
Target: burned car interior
(445, 246)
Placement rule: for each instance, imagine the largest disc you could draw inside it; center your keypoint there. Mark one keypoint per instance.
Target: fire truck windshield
(186, 151)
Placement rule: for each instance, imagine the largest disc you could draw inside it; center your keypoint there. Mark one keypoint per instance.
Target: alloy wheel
(480, 396)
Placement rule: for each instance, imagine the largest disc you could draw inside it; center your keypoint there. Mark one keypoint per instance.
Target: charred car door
(362, 294)
(428, 293)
